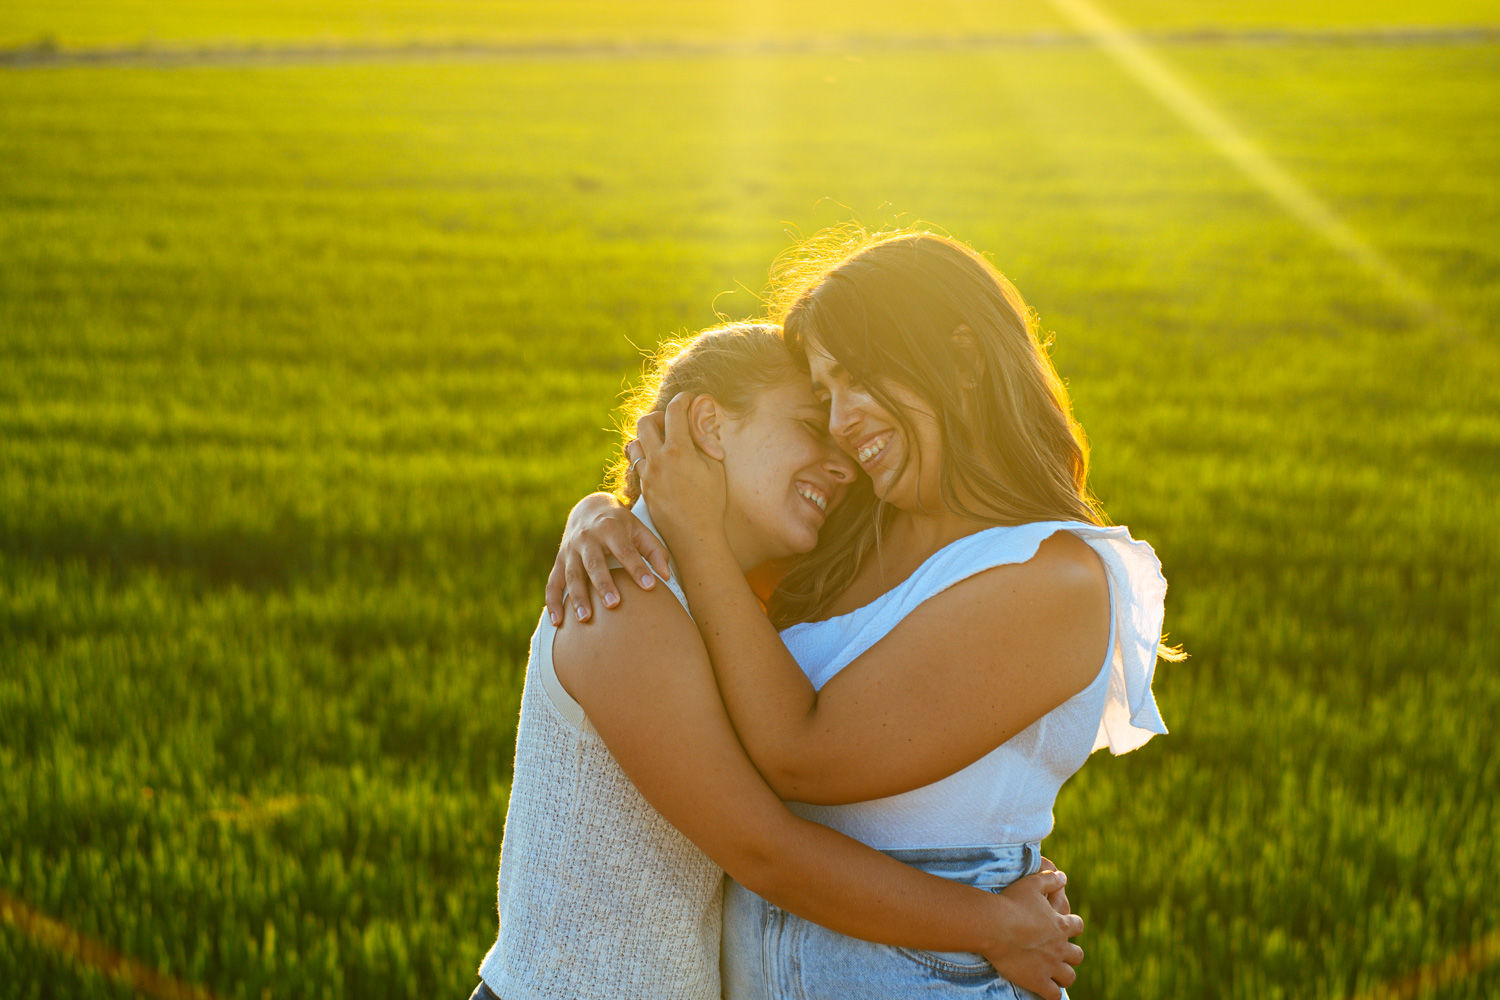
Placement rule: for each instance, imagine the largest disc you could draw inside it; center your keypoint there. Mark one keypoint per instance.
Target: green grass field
(302, 366)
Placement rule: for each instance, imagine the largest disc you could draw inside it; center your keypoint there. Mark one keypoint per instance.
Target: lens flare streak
(1455, 967)
(1154, 75)
(59, 937)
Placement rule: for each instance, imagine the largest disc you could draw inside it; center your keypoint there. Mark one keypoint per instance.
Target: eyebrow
(834, 369)
(812, 410)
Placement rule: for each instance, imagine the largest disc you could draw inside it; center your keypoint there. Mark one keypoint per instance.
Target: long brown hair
(930, 314)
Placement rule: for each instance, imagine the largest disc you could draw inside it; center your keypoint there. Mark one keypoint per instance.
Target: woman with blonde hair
(944, 662)
(631, 795)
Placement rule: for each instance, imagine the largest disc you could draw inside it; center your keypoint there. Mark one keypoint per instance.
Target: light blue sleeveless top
(1006, 796)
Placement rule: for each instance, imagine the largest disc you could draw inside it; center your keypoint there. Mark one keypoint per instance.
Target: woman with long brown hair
(944, 662)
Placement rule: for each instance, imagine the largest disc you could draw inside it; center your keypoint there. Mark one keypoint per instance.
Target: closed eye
(819, 428)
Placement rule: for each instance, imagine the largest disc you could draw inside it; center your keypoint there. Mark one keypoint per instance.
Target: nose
(840, 466)
(843, 419)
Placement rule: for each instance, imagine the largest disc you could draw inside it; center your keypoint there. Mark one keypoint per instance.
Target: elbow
(799, 781)
(801, 766)
(767, 861)
(756, 872)
(789, 781)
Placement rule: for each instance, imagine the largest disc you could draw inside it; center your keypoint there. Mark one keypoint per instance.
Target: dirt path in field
(48, 54)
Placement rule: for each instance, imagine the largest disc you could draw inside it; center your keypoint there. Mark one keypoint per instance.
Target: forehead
(820, 363)
(794, 393)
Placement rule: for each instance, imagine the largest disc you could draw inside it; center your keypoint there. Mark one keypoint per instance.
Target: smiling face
(783, 471)
(902, 453)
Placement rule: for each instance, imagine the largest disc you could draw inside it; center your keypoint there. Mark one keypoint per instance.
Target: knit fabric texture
(600, 897)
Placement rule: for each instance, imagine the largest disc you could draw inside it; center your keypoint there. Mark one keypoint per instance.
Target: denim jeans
(770, 954)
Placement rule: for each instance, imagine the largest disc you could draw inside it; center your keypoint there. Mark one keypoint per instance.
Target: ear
(970, 359)
(706, 421)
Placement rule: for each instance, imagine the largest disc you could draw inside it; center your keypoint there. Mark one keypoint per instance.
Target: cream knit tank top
(600, 897)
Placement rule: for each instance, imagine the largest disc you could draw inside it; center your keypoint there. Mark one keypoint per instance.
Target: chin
(801, 545)
(882, 482)
(898, 492)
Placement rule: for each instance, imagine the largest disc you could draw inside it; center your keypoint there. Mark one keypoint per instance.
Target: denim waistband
(983, 866)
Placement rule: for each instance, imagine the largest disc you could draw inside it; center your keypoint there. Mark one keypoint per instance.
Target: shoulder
(1059, 562)
(1062, 587)
(648, 625)
(1048, 616)
(632, 624)
(1067, 562)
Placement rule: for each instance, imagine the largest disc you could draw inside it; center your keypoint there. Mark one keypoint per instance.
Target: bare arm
(964, 672)
(643, 677)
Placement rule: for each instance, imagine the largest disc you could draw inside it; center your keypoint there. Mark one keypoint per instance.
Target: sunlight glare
(1152, 74)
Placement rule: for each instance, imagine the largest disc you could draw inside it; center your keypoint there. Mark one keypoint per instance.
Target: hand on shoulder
(624, 649)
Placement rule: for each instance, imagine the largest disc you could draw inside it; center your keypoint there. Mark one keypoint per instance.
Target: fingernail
(556, 618)
(610, 600)
(582, 612)
(648, 581)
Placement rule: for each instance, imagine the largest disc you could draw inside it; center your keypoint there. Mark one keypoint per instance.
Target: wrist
(998, 930)
(701, 551)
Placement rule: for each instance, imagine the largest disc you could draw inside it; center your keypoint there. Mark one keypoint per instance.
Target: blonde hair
(732, 363)
(930, 314)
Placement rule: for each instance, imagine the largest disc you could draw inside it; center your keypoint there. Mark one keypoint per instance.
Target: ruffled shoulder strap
(1138, 592)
